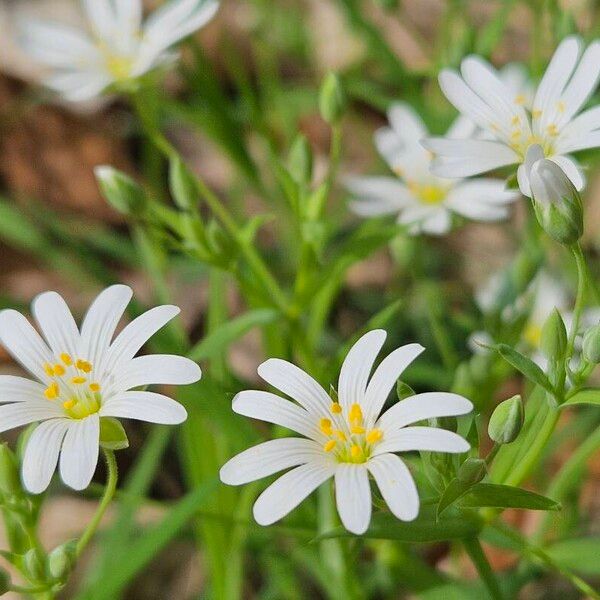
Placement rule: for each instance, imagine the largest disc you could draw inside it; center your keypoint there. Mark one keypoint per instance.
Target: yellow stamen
(561, 106)
(355, 415)
(83, 365)
(536, 114)
(78, 380)
(52, 391)
(66, 358)
(515, 120)
(341, 435)
(336, 409)
(329, 446)
(49, 369)
(95, 387)
(325, 426)
(356, 451)
(357, 429)
(59, 369)
(520, 99)
(69, 404)
(552, 129)
(374, 435)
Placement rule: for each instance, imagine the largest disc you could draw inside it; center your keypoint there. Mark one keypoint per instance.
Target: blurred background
(246, 86)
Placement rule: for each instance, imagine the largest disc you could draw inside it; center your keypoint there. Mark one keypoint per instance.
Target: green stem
(580, 298)
(109, 492)
(477, 555)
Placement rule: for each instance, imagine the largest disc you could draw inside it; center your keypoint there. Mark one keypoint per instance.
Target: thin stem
(477, 555)
(579, 300)
(109, 492)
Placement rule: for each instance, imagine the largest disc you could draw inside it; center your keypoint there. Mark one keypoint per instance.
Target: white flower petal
(385, 377)
(406, 123)
(101, 320)
(101, 17)
(389, 146)
(396, 485)
(19, 389)
(23, 413)
(353, 497)
(357, 367)
(297, 384)
(273, 409)
(571, 169)
(56, 323)
(269, 458)
(377, 195)
(137, 333)
(416, 215)
(79, 86)
(423, 406)
(79, 453)
(578, 129)
(461, 128)
(41, 454)
(155, 369)
(481, 199)
(128, 19)
(421, 438)
(24, 343)
(290, 490)
(144, 406)
(438, 223)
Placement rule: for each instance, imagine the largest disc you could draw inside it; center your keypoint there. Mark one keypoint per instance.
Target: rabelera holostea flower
(118, 47)
(423, 201)
(82, 376)
(346, 439)
(554, 121)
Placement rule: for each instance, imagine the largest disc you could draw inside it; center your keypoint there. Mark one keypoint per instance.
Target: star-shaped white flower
(554, 121)
(82, 376)
(346, 440)
(118, 47)
(422, 200)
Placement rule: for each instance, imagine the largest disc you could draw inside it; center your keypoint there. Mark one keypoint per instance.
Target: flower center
(118, 66)
(72, 384)
(427, 193)
(348, 439)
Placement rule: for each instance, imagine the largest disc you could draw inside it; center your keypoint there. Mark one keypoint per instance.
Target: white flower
(80, 377)
(345, 440)
(424, 202)
(553, 123)
(118, 46)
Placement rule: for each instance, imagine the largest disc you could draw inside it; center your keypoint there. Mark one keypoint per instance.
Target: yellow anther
(357, 429)
(78, 380)
(398, 171)
(536, 114)
(329, 446)
(52, 391)
(374, 435)
(355, 414)
(552, 129)
(336, 409)
(69, 404)
(520, 99)
(515, 120)
(49, 369)
(516, 134)
(356, 451)
(341, 435)
(494, 127)
(95, 387)
(59, 369)
(83, 365)
(325, 426)
(66, 358)
(561, 106)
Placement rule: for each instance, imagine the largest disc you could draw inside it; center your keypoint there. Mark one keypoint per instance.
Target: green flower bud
(553, 341)
(506, 420)
(472, 471)
(10, 482)
(33, 566)
(332, 99)
(300, 160)
(121, 191)
(556, 202)
(62, 560)
(112, 434)
(182, 185)
(591, 344)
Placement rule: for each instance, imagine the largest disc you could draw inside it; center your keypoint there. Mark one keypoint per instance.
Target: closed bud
(591, 344)
(300, 160)
(121, 191)
(472, 471)
(33, 566)
(332, 99)
(506, 420)
(10, 483)
(62, 560)
(556, 202)
(553, 341)
(182, 185)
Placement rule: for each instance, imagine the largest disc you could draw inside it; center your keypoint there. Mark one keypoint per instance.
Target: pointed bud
(556, 202)
(62, 560)
(553, 341)
(506, 420)
(472, 471)
(332, 99)
(10, 483)
(591, 345)
(300, 160)
(121, 191)
(33, 566)
(182, 185)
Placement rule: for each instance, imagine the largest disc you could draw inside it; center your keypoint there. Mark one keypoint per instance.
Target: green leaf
(505, 496)
(218, 341)
(583, 397)
(524, 365)
(454, 490)
(581, 554)
(386, 527)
